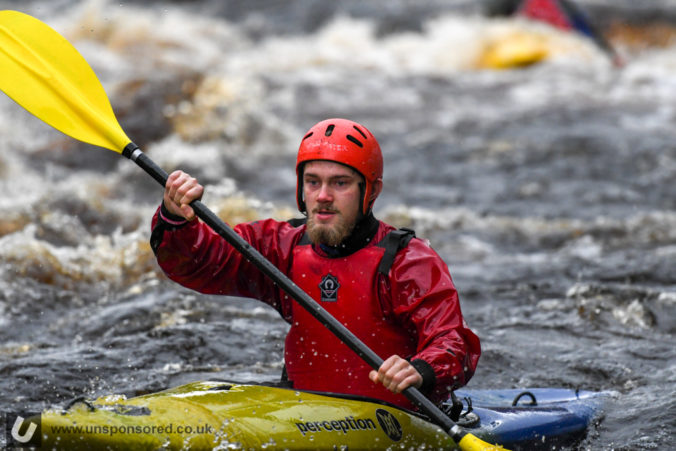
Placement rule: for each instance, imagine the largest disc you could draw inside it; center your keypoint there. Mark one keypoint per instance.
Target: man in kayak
(386, 286)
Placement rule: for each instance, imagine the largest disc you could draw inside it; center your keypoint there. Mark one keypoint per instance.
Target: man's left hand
(396, 374)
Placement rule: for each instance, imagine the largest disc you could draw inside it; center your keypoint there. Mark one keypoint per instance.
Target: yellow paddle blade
(45, 74)
(472, 443)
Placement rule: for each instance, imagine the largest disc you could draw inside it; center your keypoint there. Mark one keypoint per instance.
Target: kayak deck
(224, 415)
(541, 418)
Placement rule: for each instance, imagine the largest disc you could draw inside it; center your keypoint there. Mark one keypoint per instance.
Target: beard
(331, 235)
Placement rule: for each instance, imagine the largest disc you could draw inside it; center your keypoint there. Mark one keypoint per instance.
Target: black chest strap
(393, 243)
(297, 222)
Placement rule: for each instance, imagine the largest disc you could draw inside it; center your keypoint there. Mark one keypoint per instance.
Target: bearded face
(332, 195)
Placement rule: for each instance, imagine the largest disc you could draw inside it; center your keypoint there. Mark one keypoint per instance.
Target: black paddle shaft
(132, 152)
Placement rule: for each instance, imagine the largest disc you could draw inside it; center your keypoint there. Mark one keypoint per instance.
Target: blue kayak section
(539, 418)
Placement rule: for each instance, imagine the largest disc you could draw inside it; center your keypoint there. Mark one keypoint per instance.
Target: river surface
(550, 191)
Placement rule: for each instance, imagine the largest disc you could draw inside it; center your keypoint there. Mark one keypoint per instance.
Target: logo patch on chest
(329, 288)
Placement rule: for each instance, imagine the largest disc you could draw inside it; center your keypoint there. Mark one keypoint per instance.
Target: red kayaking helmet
(345, 142)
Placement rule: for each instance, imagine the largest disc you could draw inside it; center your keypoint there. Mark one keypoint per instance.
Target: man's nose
(325, 194)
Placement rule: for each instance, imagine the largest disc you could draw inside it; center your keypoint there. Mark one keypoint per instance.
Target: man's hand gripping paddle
(45, 74)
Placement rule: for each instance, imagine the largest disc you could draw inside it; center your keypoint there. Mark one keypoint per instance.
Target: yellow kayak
(208, 415)
(518, 49)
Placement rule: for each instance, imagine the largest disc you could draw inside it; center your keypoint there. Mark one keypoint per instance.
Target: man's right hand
(181, 189)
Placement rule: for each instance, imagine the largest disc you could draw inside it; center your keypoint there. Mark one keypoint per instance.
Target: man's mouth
(324, 213)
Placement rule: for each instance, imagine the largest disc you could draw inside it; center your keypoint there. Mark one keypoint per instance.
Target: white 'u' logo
(25, 438)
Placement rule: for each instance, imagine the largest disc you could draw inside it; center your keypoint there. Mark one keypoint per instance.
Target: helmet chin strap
(362, 193)
(300, 195)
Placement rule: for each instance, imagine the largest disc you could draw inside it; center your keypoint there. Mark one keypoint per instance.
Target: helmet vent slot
(308, 135)
(354, 140)
(329, 130)
(359, 130)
